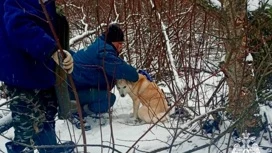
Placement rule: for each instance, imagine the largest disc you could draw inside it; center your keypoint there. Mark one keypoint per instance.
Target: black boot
(48, 137)
(14, 148)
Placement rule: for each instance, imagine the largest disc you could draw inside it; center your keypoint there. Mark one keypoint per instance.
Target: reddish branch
(68, 75)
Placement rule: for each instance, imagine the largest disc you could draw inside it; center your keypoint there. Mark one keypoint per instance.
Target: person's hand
(67, 63)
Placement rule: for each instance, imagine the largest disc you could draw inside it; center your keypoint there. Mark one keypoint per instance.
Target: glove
(67, 64)
(146, 74)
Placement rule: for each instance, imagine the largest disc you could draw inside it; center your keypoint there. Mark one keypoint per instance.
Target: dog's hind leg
(144, 115)
(158, 116)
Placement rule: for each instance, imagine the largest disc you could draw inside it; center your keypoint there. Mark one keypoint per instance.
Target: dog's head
(122, 87)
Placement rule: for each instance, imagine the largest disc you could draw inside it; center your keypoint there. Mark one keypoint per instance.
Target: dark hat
(114, 33)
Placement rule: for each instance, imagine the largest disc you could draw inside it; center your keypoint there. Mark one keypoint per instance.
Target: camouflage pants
(31, 112)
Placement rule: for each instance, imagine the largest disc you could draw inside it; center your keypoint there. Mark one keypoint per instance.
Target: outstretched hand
(147, 75)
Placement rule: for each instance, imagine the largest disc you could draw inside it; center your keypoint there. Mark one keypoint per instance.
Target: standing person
(96, 70)
(28, 59)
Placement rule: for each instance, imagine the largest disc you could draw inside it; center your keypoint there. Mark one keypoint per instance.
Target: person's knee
(103, 105)
(49, 125)
(99, 107)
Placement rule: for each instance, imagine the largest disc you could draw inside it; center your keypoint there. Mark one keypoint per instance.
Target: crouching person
(28, 59)
(96, 70)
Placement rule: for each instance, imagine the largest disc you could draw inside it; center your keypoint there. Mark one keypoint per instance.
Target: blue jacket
(98, 65)
(26, 44)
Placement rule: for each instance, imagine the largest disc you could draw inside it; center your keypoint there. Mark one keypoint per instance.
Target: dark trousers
(98, 101)
(33, 113)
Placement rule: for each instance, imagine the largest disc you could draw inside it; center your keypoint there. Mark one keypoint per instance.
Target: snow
(216, 3)
(125, 132)
(252, 4)
(6, 119)
(129, 136)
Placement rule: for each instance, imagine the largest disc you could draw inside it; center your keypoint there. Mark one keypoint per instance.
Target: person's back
(28, 58)
(99, 65)
(89, 71)
(26, 50)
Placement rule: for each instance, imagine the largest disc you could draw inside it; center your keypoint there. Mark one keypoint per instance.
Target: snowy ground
(126, 133)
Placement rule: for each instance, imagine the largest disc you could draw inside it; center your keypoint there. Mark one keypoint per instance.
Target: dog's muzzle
(122, 95)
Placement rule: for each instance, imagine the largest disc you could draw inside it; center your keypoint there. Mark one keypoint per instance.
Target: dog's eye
(125, 86)
(118, 87)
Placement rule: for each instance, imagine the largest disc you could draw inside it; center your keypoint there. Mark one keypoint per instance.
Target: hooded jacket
(99, 65)
(27, 44)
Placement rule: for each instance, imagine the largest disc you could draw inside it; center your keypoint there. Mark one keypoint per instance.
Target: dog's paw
(131, 115)
(134, 122)
(138, 121)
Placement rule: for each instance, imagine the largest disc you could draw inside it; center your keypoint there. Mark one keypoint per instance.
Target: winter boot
(101, 118)
(75, 119)
(14, 148)
(48, 137)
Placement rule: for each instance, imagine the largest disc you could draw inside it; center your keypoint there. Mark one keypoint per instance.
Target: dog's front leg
(136, 105)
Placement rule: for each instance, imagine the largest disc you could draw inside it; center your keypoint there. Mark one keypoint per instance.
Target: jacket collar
(103, 37)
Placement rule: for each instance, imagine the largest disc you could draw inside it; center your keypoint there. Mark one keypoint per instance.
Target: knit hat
(114, 33)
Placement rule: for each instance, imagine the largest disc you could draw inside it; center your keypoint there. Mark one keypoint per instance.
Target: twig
(65, 146)
(215, 91)
(69, 76)
(244, 113)
(8, 101)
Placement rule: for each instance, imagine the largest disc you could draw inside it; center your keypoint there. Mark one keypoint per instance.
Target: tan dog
(147, 93)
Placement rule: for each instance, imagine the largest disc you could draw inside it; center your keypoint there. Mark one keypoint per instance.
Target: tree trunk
(238, 71)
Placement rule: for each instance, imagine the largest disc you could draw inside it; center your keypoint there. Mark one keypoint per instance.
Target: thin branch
(69, 75)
